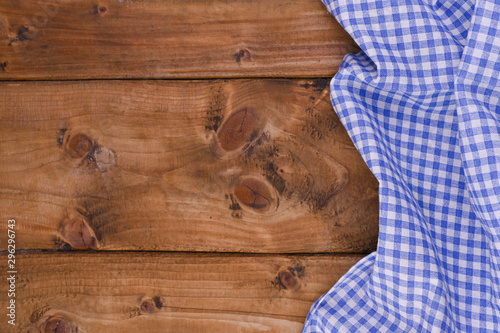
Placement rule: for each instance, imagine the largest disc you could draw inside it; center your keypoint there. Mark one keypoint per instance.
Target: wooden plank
(59, 39)
(159, 292)
(230, 166)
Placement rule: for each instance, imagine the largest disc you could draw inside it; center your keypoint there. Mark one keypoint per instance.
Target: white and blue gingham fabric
(421, 102)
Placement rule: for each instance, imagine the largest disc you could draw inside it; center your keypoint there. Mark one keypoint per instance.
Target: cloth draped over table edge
(421, 104)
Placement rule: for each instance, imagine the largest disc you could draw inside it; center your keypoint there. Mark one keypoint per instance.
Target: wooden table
(175, 166)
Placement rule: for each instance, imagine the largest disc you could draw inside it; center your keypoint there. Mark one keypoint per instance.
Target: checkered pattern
(421, 102)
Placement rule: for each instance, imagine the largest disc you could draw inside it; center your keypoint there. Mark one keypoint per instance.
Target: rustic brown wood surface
(145, 292)
(61, 39)
(228, 166)
(256, 170)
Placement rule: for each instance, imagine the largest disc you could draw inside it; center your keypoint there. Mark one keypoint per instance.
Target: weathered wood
(145, 292)
(230, 166)
(59, 39)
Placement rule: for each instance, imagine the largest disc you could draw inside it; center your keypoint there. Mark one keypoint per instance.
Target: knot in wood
(56, 325)
(151, 305)
(101, 10)
(253, 193)
(147, 306)
(242, 54)
(78, 234)
(79, 145)
(288, 280)
(239, 129)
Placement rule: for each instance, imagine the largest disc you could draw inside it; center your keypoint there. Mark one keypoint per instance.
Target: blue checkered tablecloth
(421, 104)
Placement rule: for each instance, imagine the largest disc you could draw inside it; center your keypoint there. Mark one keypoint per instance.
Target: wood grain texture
(82, 39)
(230, 166)
(145, 292)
